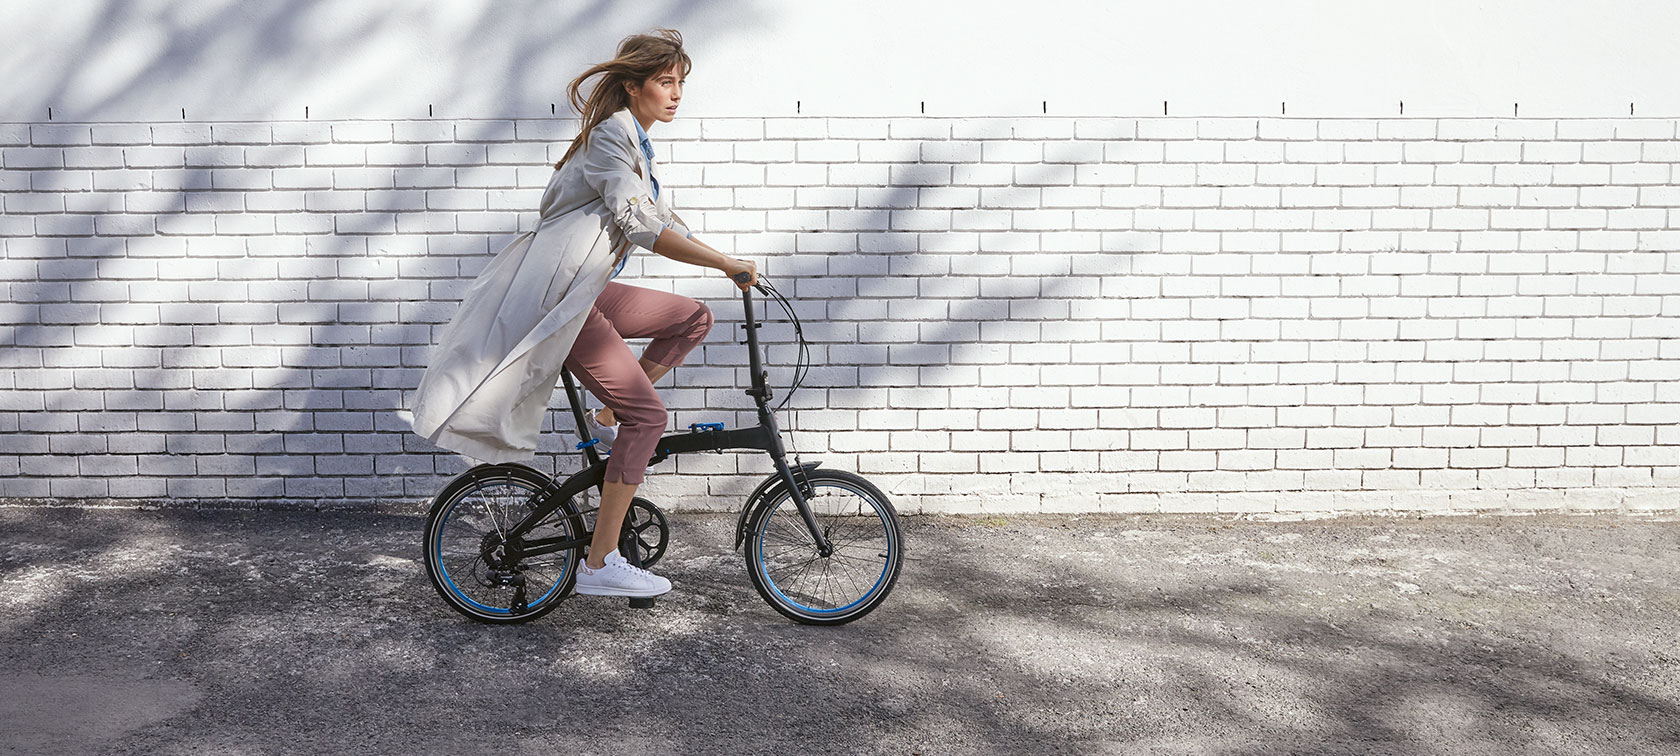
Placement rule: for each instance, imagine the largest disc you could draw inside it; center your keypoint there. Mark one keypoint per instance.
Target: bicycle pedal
(642, 602)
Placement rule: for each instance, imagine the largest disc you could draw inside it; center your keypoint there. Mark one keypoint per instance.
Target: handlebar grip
(742, 277)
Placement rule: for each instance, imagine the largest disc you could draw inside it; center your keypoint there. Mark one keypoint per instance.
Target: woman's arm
(610, 169)
(689, 250)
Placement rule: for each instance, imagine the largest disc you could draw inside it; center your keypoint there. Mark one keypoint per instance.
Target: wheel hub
(491, 551)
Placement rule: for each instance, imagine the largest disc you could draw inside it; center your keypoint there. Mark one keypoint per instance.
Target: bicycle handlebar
(744, 277)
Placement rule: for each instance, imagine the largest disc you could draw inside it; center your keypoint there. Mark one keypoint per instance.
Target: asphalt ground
(254, 632)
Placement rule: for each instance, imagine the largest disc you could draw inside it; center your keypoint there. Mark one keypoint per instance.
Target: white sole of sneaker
(589, 590)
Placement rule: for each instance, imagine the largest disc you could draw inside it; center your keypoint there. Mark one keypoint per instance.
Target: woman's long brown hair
(640, 57)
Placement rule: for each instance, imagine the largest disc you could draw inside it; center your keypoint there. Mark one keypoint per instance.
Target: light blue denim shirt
(647, 149)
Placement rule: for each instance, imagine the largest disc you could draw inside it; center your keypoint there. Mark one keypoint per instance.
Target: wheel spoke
(490, 512)
(457, 523)
(469, 560)
(786, 531)
(548, 580)
(799, 570)
(823, 583)
(858, 559)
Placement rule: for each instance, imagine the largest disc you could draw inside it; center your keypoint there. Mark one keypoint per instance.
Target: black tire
(462, 560)
(803, 585)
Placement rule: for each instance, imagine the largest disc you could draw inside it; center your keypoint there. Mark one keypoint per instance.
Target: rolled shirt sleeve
(610, 170)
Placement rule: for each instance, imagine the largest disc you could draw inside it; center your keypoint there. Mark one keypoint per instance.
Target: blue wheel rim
(455, 590)
(886, 568)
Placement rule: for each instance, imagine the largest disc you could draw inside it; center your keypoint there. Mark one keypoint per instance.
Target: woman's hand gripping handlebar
(743, 272)
(742, 280)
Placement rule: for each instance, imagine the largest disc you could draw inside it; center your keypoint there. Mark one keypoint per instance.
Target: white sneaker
(619, 578)
(605, 434)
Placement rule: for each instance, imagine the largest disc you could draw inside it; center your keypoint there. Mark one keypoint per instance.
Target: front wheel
(796, 579)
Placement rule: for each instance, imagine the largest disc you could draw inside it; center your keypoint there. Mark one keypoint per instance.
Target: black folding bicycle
(823, 547)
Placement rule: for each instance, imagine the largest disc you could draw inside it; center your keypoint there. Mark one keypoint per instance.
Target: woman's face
(656, 99)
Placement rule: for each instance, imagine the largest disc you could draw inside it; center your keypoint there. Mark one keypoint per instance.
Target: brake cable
(804, 363)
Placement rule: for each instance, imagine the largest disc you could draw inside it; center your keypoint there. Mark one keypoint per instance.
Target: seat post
(575, 397)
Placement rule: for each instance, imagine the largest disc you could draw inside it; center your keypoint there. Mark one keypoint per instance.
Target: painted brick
(1212, 307)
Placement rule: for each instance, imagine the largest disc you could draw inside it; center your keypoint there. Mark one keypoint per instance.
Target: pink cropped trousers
(603, 363)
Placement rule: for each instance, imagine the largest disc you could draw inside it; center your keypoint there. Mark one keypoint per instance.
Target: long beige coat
(496, 365)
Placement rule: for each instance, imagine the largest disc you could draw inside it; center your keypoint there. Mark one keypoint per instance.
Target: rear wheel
(466, 550)
(807, 586)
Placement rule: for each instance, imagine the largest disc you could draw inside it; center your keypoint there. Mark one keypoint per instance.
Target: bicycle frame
(766, 436)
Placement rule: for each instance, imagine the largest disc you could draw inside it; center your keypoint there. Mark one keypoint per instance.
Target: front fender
(772, 484)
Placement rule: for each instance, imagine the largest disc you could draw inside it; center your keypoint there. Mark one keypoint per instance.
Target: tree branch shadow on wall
(319, 367)
(211, 53)
(322, 367)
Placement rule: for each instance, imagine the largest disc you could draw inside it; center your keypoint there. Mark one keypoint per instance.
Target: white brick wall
(1034, 314)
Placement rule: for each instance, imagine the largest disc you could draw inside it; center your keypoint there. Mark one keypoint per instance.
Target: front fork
(779, 457)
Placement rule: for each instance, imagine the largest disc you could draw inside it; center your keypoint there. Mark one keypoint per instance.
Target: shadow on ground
(131, 631)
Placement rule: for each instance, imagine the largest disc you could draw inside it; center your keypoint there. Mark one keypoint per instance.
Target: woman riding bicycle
(547, 300)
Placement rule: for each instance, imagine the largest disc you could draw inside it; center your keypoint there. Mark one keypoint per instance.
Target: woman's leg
(653, 370)
(676, 323)
(615, 501)
(603, 363)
